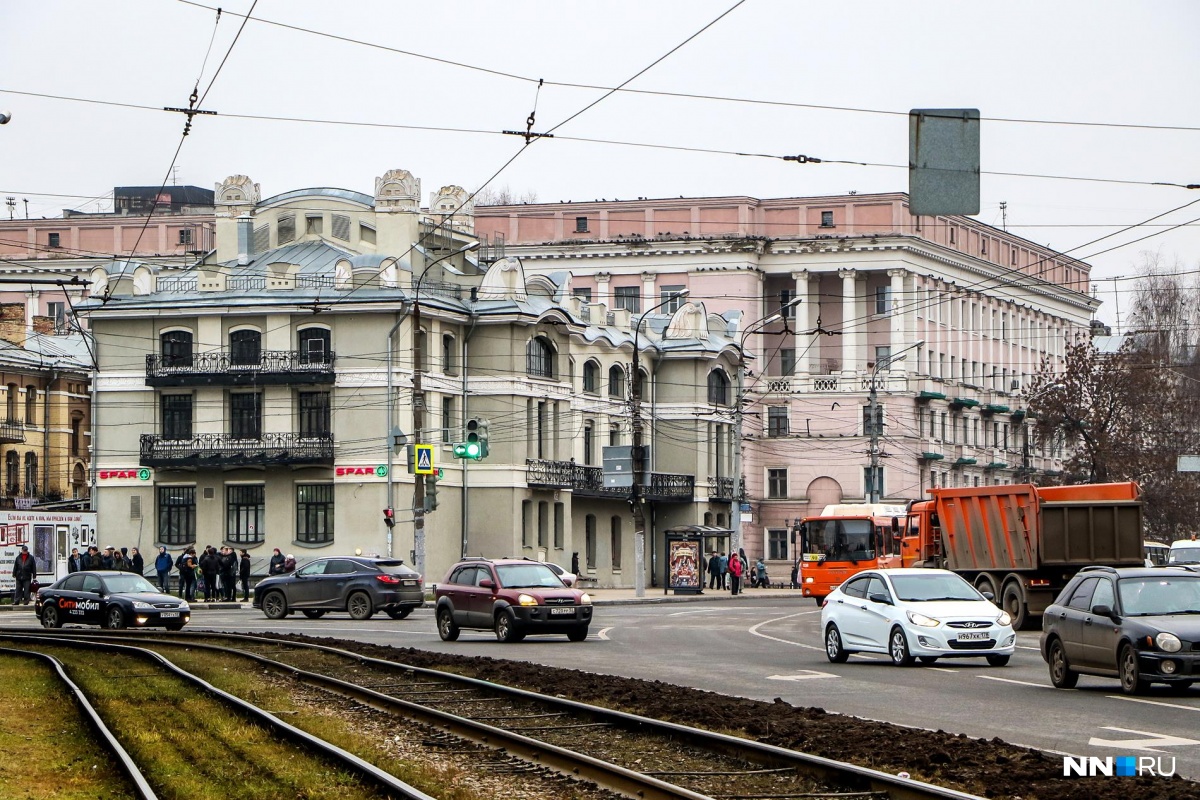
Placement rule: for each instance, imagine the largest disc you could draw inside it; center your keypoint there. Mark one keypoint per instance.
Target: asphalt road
(764, 648)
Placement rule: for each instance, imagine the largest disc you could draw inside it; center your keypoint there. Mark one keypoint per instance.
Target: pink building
(949, 316)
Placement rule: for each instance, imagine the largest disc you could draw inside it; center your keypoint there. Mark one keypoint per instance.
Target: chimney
(12, 323)
(245, 239)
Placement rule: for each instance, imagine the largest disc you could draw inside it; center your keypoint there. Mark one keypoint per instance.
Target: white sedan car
(914, 613)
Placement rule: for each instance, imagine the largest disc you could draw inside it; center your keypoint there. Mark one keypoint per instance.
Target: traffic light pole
(418, 407)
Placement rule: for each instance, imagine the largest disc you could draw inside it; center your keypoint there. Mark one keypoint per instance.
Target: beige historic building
(247, 401)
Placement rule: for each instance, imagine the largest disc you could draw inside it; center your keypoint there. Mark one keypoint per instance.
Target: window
(614, 436)
(629, 298)
(76, 433)
(583, 294)
(589, 540)
(12, 473)
(857, 587)
(245, 415)
(448, 354)
(874, 488)
(1082, 596)
(615, 545)
(777, 484)
(176, 416)
(777, 421)
(315, 415)
(286, 229)
(185, 235)
(313, 224)
(543, 523)
(581, 225)
(539, 358)
(245, 514)
(718, 388)
(786, 296)
(952, 236)
(589, 443)
(58, 313)
(54, 240)
(983, 245)
(245, 348)
(526, 523)
(670, 295)
(366, 234)
(826, 219)
(883, 299)
(176, 514)
(31, 405)
(787, 361)
(447, 419)
(616, 381)
(11, 412)
(591, 377)
(1103, 595)
(315, 346)
(777, 544)
(314, 513)
(882, 354)
(176, 347)
(559, 525)
(31, 474)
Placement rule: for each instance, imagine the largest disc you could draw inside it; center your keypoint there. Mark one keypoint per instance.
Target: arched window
(12, 473)
(315, 346)
(591, 377)
(718, 388)
(540, 358)
(78, 482)
(616, 381)
(176, 348)
(448, 354)
(30, 405)
(245, 348)
(31, 474)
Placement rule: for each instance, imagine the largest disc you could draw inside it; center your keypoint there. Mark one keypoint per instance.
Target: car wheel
(50, 617)
(175, 626)
(928, 659)
(1127, 665)
(506, 627)
(1015, 606)
(998, 661)
(898, 649)
(833, 645)
(1179, 687)
(445, 624)
(818, 601)
(313, 613)
(274, 605)
(359, 606)
(1061, 674)
(578, 634)
(114, 618)
(398, 613)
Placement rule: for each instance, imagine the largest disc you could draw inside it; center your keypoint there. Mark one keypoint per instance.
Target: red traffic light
(389, 517)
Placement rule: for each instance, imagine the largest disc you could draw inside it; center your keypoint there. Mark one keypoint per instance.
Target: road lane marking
(1010, 680)
(1026, 647)
(755, 632)
(943, 669)
(700, 611)
(808, 673)
(1150, 745)
(1153, 702)
(603, 634)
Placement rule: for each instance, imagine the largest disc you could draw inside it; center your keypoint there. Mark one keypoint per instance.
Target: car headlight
(585, 599)
(922, 620)
(138, 604)
(1004, 620)
(184, 607)
(1168, 642)
(527, 600)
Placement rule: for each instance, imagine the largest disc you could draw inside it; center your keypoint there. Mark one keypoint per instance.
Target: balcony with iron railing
(586, 481)
(12, 431)
(222, 451)
(720, 490)
(219, 367)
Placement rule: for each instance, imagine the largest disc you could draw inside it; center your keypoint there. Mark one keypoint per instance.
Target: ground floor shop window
(314, 513)
(176, 515)
(245, 508)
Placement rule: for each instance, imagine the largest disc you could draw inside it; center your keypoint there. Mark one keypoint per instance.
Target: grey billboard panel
(943, 161)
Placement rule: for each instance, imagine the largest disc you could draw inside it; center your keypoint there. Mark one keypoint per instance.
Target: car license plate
(978, 636)
(408, 583)
(165, 614)
(562, 611)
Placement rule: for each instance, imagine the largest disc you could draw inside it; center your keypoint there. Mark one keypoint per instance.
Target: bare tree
(504, 196)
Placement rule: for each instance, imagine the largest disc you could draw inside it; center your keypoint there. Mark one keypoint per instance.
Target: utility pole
(873, 417)
(418, 407)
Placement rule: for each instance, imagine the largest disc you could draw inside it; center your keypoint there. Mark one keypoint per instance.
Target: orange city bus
(844, 540)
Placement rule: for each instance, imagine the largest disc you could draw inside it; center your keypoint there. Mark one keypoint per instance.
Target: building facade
(946, 317)
(256, 400)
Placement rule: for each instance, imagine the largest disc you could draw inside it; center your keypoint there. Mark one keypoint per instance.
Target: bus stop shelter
(687, 548)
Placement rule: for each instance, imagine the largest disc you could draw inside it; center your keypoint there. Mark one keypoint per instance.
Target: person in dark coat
(162, 565)
(75, 562)
(187, 574)
(229, 567)
(244, 571)
(289, 563)
(137, 564)
(24, 571)
(106, 560)
(714, 570)
(210, 565)
(91, 559)
(277, 559)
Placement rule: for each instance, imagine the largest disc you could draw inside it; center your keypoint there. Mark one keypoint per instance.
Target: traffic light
(476, 445)
(389, 517)
(431, 502)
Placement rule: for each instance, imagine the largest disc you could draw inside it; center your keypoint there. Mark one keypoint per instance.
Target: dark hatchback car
(359, 585)
(111, 599)
(1140, 625)
(512, 597)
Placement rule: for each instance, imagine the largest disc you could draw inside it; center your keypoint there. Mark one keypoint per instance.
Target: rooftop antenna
(11, 202)
(175, 175)
(1003, 215)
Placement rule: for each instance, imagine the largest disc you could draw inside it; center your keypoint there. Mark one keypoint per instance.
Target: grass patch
(48, 747)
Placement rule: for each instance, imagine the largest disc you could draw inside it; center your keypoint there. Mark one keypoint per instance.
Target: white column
(602, 291)
(850, 322)
(649, 298)
(898, 313)
(806, 317)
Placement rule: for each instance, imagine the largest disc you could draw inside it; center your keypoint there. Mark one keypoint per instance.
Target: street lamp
(418, 406)
(873, 415)
(735, 512)
(637, 453)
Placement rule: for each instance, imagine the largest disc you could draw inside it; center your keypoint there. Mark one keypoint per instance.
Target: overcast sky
(1098, 62)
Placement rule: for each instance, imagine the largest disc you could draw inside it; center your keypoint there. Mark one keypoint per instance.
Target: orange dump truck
(1022, 543)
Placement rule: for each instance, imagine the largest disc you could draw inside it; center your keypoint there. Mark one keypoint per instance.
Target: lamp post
(873, 416)
(418, 406)
(638, 455)
(735, 541)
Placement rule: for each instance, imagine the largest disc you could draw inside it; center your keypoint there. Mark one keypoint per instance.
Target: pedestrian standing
(210, 565)
(276, 566)
(289, 564)
(735, 574)
(187, 574)
(796, 573)
(229, 569)
(162, 565)
(244, 571)
(723, 570)
(91, 559)
(137, 564)
(24, 571)
(75, 562)
(106, 560)
(714, 564)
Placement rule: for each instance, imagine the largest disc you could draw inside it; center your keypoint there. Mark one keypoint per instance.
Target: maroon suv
(512, 597)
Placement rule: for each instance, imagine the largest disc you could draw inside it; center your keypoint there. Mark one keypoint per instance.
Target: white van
(1155, 553)
(1184, 551)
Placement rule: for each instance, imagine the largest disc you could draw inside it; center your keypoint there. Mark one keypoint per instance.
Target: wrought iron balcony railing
(219, 367)
(12, 431)
(720, 489)
(220, 451)
(589, 481)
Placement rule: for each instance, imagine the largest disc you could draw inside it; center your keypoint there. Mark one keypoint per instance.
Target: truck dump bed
(1023, 527)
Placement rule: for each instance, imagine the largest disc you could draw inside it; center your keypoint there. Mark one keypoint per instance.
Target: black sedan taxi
(359, 585)
(110, 599)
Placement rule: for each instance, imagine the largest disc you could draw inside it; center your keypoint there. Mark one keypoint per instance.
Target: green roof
(964, 462)
(964, 401)
(997, 465)
(930, 396)
(996, 408)
(932, 456)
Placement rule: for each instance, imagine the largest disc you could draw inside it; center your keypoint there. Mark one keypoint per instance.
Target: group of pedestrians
(726, 571)
(125, 559)
(216, 572)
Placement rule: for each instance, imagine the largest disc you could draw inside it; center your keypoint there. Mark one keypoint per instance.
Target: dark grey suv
(1140, 625)
(357, 584)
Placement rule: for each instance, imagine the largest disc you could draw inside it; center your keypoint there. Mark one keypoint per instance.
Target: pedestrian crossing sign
(424, 459)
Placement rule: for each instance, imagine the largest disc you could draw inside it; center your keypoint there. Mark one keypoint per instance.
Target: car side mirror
(991, 598)
(880, 598)
(1104, 611)
(486, 583)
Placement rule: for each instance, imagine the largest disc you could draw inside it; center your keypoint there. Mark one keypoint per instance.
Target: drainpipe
(54, 375)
